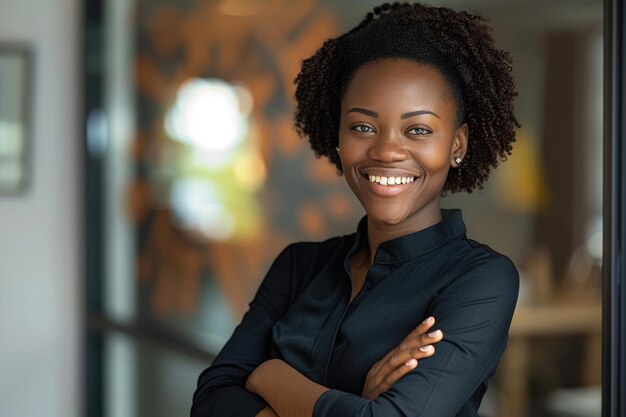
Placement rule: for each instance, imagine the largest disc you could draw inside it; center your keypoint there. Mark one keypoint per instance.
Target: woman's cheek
(433, 159)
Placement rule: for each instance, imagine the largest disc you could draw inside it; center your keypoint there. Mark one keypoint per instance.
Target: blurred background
(149, 173)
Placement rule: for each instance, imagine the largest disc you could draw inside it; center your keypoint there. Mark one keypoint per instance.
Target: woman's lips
(387, 181)
(388, 186)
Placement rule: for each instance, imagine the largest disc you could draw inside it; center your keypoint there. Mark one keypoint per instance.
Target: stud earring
(337, 148)
(458, 160)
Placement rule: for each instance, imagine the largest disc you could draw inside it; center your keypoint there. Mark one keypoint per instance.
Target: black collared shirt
(302, 314)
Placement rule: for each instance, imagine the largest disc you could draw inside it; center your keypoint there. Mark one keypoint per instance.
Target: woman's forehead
(401, 79)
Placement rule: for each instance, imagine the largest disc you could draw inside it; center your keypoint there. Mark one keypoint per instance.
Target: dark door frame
(614, 216)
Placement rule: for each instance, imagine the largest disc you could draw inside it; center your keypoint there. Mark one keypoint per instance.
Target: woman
(413, 102)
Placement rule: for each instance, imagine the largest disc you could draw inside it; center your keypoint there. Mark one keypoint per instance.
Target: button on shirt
(302, 314)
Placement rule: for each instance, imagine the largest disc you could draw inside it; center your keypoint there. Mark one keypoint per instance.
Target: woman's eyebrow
(417, 113)
(364, 111)
(402, 116)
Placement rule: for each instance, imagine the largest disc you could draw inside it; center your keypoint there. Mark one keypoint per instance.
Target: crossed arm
(291, 394)
(474, 311)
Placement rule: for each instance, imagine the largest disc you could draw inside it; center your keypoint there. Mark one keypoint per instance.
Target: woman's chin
(386, 217)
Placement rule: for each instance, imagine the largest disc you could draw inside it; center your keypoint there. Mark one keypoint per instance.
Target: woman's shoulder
(302, 261)
(330, 246)
(485, 269)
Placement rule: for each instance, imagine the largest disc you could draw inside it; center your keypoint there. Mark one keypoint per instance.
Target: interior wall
(40, 231)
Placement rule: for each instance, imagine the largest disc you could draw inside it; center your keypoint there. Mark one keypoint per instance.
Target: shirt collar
(414, 244)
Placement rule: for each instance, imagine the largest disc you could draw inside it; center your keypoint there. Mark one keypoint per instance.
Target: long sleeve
(474, 311)
(220, 391)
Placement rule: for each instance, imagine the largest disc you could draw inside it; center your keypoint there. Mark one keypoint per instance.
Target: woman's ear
(340, 167)
(459, 145)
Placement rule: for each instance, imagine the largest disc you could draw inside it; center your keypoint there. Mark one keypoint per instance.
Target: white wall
(40, 232)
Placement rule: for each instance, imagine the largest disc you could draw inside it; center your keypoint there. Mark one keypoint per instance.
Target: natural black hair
(458, 44)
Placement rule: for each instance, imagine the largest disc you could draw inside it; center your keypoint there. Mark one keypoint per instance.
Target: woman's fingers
(422, 328)
(395, 367)
(418, 338)
(382, 382)
(434, 336)
(417, 347)
(402, 357)
(419, 344)
(396, 374)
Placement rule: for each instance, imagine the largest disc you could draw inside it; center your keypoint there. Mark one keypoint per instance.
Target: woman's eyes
(362, 128)
(412, 131)
(419, 131)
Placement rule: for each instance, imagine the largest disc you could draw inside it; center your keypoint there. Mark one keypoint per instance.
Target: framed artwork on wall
(15, 106)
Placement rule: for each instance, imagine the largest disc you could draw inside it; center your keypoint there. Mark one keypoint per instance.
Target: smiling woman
(413, 102)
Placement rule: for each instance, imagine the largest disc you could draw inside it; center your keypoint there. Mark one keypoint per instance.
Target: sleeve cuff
(232, 401)
(335, 403)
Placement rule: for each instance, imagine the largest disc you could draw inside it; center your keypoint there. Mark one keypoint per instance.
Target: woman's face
(397, 140)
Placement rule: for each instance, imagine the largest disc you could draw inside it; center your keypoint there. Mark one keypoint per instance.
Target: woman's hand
(402, 359)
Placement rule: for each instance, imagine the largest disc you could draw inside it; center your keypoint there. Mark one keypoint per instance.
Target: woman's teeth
(390, 180)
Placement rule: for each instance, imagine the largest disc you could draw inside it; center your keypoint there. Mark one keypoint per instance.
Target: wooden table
(530, 322)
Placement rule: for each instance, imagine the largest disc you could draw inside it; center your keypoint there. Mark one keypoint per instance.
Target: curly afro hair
(458, 44)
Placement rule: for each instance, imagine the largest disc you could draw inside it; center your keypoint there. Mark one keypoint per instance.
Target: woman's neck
(378, 232)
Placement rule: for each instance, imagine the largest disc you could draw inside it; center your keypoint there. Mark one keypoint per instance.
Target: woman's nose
(388, 149)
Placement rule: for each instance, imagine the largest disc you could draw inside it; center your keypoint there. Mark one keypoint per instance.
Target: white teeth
(390, 180)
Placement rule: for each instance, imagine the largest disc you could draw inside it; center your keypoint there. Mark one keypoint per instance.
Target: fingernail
(411, 362)
(428, 320)
(427, 348)
(436, 333)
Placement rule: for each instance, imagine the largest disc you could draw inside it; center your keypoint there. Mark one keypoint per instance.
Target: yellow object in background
(520, 183)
